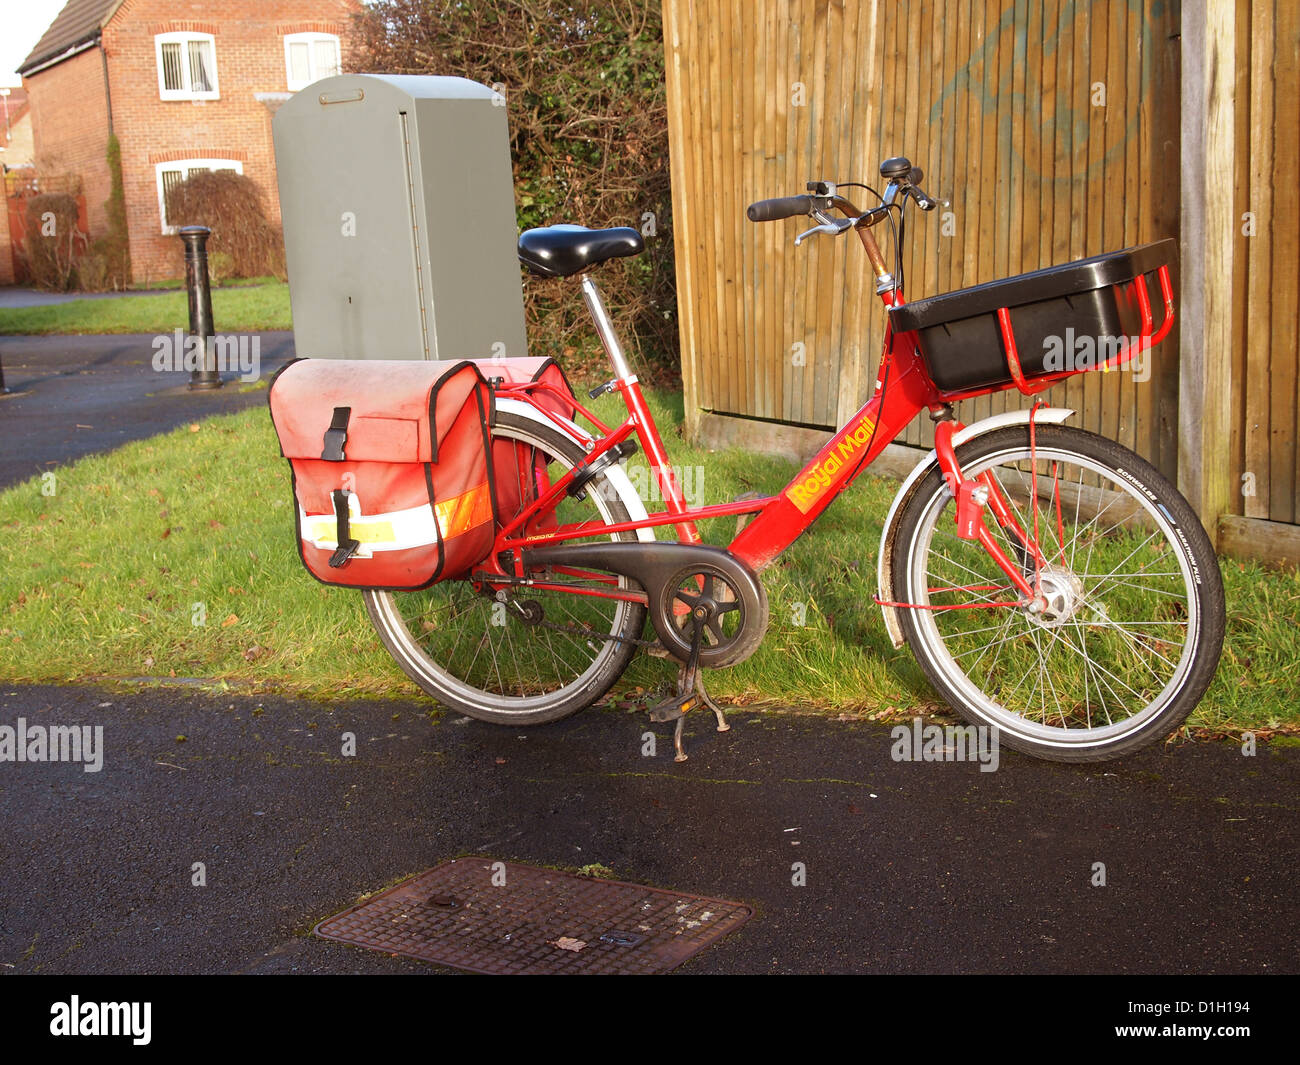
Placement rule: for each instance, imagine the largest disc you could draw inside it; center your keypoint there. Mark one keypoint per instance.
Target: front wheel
(1125, 635)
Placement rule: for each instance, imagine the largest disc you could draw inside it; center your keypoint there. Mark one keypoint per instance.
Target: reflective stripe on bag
(400, 530)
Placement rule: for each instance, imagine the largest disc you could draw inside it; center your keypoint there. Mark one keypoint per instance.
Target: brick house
(185, 85)
(16, 142)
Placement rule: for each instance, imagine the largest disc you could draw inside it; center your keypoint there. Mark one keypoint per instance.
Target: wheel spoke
(530, 667)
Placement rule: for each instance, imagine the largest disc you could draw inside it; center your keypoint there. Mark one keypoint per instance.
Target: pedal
(672, 708)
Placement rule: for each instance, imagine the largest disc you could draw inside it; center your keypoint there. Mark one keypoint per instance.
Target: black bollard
(205, 375)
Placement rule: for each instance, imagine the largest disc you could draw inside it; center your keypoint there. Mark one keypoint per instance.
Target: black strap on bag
(336, 436)
(347, 547)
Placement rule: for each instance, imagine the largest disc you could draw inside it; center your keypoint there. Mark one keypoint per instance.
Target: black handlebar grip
(781, 207)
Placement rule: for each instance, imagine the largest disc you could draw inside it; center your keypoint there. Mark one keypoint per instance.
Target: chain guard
(661, 568)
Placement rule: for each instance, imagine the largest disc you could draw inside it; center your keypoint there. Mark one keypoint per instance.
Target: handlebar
(904, 182)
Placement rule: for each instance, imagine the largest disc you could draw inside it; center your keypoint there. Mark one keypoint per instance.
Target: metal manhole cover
(502, 917)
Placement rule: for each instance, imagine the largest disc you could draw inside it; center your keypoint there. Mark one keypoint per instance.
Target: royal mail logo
(828, 471)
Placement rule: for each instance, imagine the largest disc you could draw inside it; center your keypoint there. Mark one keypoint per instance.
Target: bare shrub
(231, 206)
(54, 244)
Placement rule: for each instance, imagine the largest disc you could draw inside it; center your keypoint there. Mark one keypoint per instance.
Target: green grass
(234, 310)
(230, 282)
(104, 580)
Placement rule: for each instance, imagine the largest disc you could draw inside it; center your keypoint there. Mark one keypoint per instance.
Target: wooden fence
(1052, 127)
(1264, 169)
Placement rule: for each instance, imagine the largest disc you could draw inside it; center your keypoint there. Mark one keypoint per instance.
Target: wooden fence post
(683, 222)
(1209, 168)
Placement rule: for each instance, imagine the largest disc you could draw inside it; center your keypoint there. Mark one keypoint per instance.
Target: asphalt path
(930, 867)
(70, 396)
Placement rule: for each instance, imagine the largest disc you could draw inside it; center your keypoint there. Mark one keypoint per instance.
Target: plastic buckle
(336, 436)
(344, 552)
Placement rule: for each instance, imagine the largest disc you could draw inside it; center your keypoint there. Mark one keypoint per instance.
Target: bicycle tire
(438, 635)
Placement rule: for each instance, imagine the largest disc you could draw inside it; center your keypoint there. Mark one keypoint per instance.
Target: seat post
(608, 337)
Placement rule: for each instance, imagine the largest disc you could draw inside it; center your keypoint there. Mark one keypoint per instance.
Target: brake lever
(834, 227)
(926, 203)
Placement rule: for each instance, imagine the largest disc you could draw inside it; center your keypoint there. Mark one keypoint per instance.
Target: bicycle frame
(903, 389)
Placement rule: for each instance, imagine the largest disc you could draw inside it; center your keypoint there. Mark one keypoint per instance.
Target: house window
(169, 175)
(309, 57)
(187, 66)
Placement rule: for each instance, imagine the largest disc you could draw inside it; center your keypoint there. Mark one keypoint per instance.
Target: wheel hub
(1060, 596)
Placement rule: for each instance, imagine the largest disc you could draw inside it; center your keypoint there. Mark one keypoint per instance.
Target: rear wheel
(530, 656)
(1126, 635)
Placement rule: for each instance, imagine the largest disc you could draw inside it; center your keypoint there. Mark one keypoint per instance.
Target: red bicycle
(1050, 582)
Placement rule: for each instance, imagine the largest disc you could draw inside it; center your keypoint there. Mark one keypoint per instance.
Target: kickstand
(690, 693)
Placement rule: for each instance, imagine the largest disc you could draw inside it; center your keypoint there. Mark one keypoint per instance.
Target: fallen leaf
(566, 943)
(194, 427)
(231, 619)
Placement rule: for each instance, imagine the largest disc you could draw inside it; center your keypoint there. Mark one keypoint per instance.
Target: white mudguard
(617, 476)
(884, 566)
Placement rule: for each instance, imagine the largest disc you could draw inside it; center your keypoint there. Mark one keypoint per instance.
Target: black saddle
(558, 251)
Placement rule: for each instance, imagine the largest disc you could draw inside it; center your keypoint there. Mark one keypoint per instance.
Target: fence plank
(1250, 435)
(1282, 381)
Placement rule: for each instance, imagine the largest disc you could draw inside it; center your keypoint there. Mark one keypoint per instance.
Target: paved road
(910, 866)
(73, 395)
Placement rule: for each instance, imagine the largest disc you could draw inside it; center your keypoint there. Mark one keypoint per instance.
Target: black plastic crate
(960, 339)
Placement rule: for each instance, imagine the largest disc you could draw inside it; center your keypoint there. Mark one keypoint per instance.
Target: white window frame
(186, 166)
(187, 92)
(309, 39)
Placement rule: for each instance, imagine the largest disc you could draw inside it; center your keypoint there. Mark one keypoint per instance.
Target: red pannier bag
(390, 468)
(519, 475)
